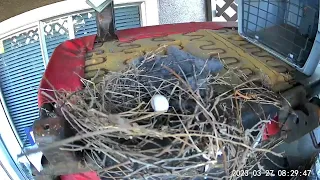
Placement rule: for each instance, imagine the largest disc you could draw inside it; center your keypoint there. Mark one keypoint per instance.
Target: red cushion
(81, 176)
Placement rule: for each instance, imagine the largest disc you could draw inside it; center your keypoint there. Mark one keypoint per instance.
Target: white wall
(179, 11)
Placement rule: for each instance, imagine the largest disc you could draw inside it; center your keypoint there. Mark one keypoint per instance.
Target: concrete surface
(10, 8)
(178, 11)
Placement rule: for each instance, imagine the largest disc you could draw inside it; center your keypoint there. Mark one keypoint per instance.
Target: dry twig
(114, 119)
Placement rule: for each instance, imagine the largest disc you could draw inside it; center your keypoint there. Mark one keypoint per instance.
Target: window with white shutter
(21, 69)
(22, 64)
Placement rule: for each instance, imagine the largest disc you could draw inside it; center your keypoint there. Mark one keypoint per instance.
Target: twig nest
(159, 103)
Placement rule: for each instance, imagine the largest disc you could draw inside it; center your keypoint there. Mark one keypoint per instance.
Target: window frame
(148, 9)
(31, 19)
(35, 19)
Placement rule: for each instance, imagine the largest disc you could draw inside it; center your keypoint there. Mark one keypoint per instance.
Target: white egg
(159, 103)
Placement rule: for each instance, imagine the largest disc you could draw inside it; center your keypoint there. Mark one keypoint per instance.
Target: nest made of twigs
(200, 136)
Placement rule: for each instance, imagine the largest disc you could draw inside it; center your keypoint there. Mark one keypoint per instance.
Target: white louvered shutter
(21, 69)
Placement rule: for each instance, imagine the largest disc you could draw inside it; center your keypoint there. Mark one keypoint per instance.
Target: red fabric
(164, 30)
(271, 128)
(65, 66)
(81, 176)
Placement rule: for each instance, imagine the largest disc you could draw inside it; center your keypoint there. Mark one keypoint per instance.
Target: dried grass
(200, 136)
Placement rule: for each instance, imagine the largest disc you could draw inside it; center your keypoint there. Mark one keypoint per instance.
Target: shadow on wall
(176, 11)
